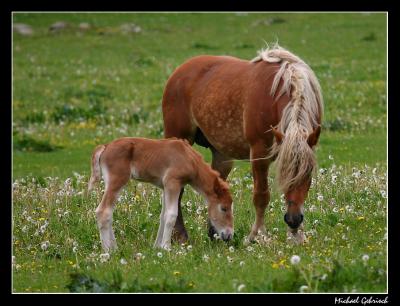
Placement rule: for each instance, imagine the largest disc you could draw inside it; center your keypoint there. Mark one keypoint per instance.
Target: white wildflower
(365, 258)
(241, 287)
(123, 261)
(231, 249)
(206, 258)
(159, 254)
(303, 288)
(295, 259)
(45, 245)
(104, 257)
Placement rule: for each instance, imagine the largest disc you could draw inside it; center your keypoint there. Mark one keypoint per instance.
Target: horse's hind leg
(261, 194)
(221, 163)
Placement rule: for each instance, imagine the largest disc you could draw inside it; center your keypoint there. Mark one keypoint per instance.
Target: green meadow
(101, 76)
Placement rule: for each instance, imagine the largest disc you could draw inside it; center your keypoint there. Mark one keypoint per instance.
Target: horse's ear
(313, 137)
(218, 188)
(278, 135)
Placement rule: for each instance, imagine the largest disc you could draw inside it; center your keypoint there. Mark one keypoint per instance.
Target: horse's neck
(203, 182)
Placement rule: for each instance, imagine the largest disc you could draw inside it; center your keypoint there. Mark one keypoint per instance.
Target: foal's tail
(96, 172)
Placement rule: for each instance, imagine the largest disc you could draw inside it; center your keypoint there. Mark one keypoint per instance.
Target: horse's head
(296, 181)
(220, 211)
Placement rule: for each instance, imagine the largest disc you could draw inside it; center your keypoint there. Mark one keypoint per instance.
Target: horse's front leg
(261, 194)
(180, 234)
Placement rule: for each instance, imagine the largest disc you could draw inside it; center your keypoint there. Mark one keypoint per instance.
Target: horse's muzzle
(293, 220)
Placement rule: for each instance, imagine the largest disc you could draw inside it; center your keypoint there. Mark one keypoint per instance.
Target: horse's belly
(223, 128)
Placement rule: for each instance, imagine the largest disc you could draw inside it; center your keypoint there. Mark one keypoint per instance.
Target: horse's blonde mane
(295, 160)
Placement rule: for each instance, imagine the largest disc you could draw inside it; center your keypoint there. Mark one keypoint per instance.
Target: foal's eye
(223, 209)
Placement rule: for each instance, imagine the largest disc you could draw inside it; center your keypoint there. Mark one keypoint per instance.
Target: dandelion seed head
(44, 245)
(104, 257)
(295, 259)
(303, 288)
(241, 287)
(123, 261)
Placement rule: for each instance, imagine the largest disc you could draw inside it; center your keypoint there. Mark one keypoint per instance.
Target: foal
(169, 164)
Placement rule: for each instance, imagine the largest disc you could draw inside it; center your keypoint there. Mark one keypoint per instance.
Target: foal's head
(220, 214)
(295, 163)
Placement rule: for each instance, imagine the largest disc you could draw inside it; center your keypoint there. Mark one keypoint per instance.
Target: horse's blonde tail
(95, 166)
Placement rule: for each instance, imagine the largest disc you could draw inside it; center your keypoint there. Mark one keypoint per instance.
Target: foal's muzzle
(293, 220)
(225, 234)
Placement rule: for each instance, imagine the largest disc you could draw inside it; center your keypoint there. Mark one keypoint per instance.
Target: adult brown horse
(269, 108)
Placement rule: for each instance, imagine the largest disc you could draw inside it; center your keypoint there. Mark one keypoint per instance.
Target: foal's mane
(198, 160)
(295, 160)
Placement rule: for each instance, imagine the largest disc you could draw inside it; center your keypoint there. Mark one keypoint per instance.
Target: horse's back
(222, 96)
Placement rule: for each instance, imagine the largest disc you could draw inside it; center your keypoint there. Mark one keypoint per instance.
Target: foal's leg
(172, 190)
(221, 163)
(161, 227)
(261, 194)
(104, 211)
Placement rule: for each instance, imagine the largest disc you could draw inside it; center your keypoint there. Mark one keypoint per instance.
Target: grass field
(75, 88)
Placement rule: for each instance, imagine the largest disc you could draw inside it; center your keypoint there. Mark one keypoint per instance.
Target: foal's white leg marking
(162, 223)
(104, 222)
(170, 215)
(104, 214)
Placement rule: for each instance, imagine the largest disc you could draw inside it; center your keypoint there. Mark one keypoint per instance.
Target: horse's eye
(223, 209)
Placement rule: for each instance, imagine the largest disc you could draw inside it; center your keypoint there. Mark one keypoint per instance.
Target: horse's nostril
(293, 221)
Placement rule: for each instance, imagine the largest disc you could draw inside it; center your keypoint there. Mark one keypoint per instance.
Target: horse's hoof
(249, 239)
(180, 237)
(297, 237)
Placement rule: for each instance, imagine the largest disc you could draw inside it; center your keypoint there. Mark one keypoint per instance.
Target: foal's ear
(278, 135)
(218, 188)
(313, 137)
